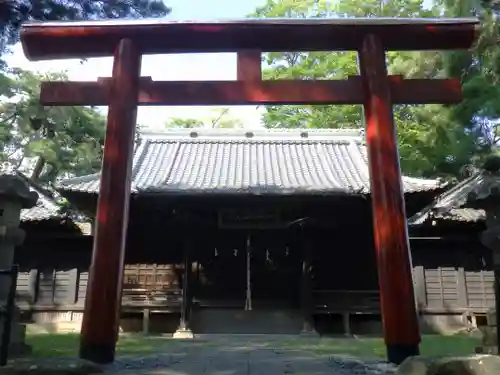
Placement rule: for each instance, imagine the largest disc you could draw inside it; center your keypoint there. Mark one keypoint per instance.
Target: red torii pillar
(127, 41)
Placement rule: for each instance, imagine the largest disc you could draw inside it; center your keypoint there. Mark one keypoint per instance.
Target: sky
(194, 67)
(185, 67)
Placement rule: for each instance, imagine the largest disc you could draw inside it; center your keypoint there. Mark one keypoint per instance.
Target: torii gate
(127, 41)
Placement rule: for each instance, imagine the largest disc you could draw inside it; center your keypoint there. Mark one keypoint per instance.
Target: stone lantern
(14, 196)
(486, 196)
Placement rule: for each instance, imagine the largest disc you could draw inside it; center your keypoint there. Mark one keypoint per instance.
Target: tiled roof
(255, 162)
(44, 210)
(451, 204)
(46, 207)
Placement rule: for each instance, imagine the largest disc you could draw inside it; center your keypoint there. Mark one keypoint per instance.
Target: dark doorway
(221, 277)
(275, 270)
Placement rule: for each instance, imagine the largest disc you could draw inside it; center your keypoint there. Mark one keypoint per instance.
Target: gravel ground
(249, 357)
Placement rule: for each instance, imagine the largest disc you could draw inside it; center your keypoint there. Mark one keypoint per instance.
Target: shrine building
(252, 231)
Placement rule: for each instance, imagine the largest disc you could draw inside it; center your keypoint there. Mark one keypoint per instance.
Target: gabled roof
(450, 204)
(46, 207)
(252, 162)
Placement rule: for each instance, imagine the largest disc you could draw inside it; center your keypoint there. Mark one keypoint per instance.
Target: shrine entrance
(275, 270)
(221, 280)
(254, 287)
(373, 88)
(249, 270)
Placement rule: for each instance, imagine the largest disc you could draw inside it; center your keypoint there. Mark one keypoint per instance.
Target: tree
(184, 123)
(58, 141)
(47, 142)
(479, 71)
(221, 119)
(15, 12)
(431, 141)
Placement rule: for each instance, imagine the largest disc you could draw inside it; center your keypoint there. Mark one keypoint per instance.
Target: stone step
(237, 321)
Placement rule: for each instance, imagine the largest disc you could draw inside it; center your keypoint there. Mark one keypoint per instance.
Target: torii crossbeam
(125, 90)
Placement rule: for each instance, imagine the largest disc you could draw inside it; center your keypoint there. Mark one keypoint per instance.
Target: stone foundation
(71, 322)
(237, 321)
(184, 334)
(489, 332)
(445, 324)
(55, 322)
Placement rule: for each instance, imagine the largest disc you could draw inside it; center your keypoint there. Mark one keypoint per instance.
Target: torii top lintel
(61, 40)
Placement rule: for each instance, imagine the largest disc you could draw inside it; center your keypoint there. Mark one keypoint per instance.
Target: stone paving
(243, 356)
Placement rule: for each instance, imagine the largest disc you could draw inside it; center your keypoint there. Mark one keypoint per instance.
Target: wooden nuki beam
(251, 91)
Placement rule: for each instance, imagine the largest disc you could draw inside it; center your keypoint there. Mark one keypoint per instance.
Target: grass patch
(66, 345)
(432, 345)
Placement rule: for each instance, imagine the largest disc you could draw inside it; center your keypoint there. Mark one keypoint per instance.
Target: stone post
(14, 196)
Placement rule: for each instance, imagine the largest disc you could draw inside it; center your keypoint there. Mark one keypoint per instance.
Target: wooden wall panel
(61, 287)
(480, 289)
(25, 293)
(445, 279)
(46, 284)
(152, 276)
(83, 278)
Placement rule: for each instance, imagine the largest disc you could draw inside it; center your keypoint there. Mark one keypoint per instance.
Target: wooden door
(275, 270)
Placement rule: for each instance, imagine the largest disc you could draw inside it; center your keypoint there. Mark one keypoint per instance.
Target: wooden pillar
(306, 289)
(248, 294)
(184, 330)
(102, 305)
(399, 316)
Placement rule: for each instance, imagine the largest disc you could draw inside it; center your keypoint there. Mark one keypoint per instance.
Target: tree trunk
(51, 175)
(40, 163)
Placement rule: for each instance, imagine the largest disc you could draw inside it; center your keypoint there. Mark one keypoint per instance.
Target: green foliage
(15, 12)
(68, 141)
(433, 140)
(184, 123)
(221, 119)
(479, 71)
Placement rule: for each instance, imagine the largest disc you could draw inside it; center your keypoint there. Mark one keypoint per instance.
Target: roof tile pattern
(451, 205)
(45, 209)
(39, 213)
(222, 161)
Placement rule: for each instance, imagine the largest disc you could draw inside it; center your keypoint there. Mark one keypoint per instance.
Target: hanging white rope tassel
(248, 301)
